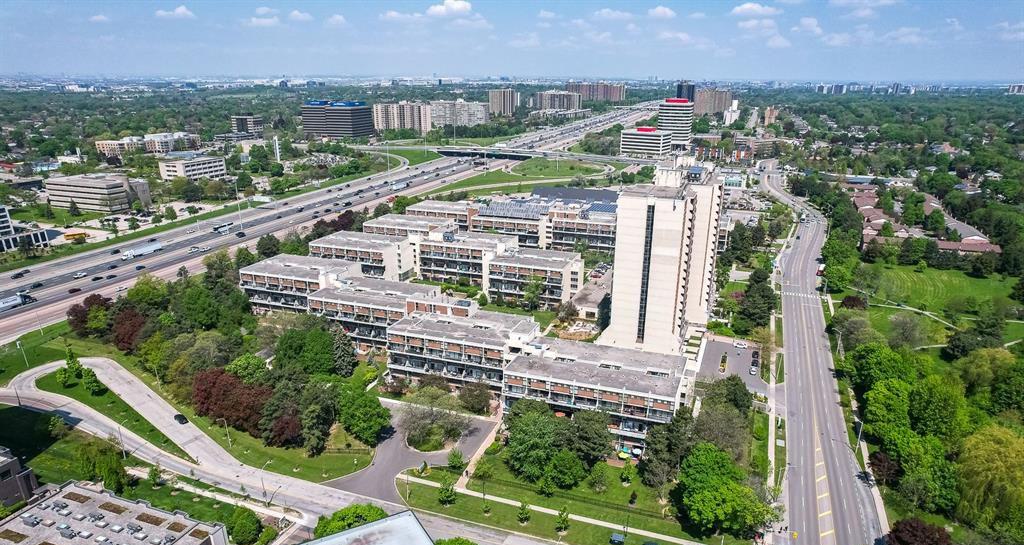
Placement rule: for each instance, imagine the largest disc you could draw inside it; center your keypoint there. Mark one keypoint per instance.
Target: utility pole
(124, 452)
(226, 434)
(22, 347)
(262, 485)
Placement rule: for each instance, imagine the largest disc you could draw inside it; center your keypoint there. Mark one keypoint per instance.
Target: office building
(557, 100)
(711, 101)
(366, 307)
(645, 142)
(511, 273)
(503, 101)
(455, 256)
(284, 282)
(402, 115)
(16, 481)
(687, 90)
(398, 529)
(337, 119)
(675, 115)
(248, 123)
(636, 389)
(108, 193)
(458, 113)
(731, 115)
(605, 92)
(771, 114)
(151, 143)
(1015, 89)
(192, 166)
(665, 249)
(11, 237)
(6, 225)
(380, 256)
(79, 512)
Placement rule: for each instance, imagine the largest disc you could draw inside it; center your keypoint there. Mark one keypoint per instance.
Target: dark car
(111, 276)
(152, 240)
(16, 275)
(97, 278)
(285, 203)
(140, 267)
(37, 285)
(240, 234)
(115, 251)
(74, 290)
(277, 217)
(755, 355)
(330, 190)
(111, 266)
(348, 203)
(180, 418)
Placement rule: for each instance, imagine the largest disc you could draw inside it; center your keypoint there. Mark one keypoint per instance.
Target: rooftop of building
(483, 327)
(390, 287)
(361, 298)
(402, 221)
(473, 240)
(655, 191)
(576, 194)
(102, 514)
(94, 180)
(594, 291)
(600, 374)
(646, 131)
(357, 240)
(187, 156)
(301, 267)
(538, 259)
(454, 207)
(515, 209)
(398, 529)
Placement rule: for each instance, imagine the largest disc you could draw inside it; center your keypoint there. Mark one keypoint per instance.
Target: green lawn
(53, 461)
(931, 289)
(780, 452)
(539, 166)
(485, 178)
(60, 216)
(759, 444)
(115, 408)
(38, 350)
(780, 369)
(415, 156)
(543, 317)
(732, 287)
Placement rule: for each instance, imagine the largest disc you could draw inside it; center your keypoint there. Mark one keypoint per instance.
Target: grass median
(38, 349)
(415, 156)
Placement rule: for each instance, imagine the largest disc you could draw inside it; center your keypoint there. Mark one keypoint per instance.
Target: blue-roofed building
(337, 119)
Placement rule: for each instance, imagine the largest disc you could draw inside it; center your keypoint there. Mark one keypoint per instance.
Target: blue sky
(946, 40)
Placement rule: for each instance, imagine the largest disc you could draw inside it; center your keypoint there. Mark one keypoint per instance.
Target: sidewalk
(545, 510)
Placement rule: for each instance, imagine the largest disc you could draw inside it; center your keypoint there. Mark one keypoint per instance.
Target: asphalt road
(214, 465)
(828, 499)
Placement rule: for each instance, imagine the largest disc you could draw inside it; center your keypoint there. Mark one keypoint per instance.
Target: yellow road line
(826, 513)
(822, 495)
(822, 478)
(827, 532)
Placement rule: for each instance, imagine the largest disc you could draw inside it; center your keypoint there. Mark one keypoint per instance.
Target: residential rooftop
(656, 191)
(483, 327)
(537, 259)
(449, 207)
(401, 221)
(357, 240)
(302, 267)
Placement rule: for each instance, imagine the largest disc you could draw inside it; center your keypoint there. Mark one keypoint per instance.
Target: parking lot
(737, 363)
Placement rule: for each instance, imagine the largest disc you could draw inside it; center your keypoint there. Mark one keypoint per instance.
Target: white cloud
(450, 8)
(809, 24)
(180, 12)
(686, 39)
(632, 28)
(579, 23)
(263, 21)
(265, 11)
(862, 13)
(838, 39)
(543, 24)
(545, 14)
(954, 24)
(698, 15)
(100, 18)
(753, 9)
(473, 22)
(300, 16)
(906, 36)
(529, 40)
(1011, 32)
(335, 20)
(862, 9)
(600, 37)
(758, 25)
(792, 2)
(392, 15)
(609, 14)
(777, 41)
(661, 12)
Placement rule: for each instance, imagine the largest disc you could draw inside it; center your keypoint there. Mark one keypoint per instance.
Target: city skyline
(782, 39)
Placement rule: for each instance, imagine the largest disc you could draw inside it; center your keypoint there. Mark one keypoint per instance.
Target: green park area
(493, 177)
(539, 166)
(415, 156)
(61, 217)
(931, 289)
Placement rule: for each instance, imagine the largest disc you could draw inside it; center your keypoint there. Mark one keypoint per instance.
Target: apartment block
(16, 481)
(337, 119)
(11, 237)
(379, 256)
(665, 251)
(771, 114)
(557, 100)
(108, 193)
(645, 142)
(247, 123)
(400, 225)
(637, 389)
(607, 92)
(192, 166)
(473, 348)
(502, 101)
(366, 307)
(451, 256)
(592, 223)
(560, 275)
(151, 143)
(458, 113)
(402, 115)
(458, 211)
(523, 219)
(675, 115)
(711, 101)
(284, 282)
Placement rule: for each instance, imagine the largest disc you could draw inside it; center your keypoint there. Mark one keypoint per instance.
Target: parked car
(74, 290)
(180, 418)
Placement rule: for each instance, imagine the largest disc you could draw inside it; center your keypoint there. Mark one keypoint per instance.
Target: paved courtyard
(737, 363)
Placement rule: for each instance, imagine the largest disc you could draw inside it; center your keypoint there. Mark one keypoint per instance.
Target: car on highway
(74, 290)
(140, 267)
(111, 276)
(180, 418)
(97, 278)
(240, 234)
(193, 249)
(277, 217)
(111, 267)
(115, 251)
(36, 285)
(348, 203)
(152, 240)
(120, 289)
(79, 275)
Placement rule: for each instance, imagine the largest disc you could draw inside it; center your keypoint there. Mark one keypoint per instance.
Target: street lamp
(22, 347)
(124, 452)
(261, 478)
(226, 434)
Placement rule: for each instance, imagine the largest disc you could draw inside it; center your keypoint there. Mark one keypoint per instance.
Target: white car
(79, 275)
(740, 344)
(121, 288)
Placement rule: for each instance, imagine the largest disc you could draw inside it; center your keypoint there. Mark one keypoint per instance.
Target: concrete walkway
(547, 511)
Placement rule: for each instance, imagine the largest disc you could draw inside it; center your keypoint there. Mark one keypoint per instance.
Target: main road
(828, 497)
(111, 272)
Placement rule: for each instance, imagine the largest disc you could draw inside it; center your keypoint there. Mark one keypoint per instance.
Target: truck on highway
(142, 250)
(14, 301)
(398, 186)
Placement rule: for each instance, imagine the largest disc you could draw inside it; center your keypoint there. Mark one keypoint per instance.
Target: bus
(223, 227)
(821, 269)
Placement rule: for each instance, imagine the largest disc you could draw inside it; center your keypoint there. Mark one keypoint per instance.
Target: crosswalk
(810, 295)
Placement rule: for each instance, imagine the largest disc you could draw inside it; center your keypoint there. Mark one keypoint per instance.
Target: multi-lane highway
(828, 501)
(60, 288)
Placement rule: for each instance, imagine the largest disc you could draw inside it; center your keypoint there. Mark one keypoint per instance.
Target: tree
(455, 461)
(244, 257)
(63, 376)
(455, 541)
(446, 492)
(562, 521)
(475, 397)
(531, 444)
(723, 425)
(276, 170)
(244, 526)
(875, 361)
(154, 475)
(73, 209)
(991, 477)
(170, 214)
(128, 324)
(566, 469)
(732, 391)
(598, 478)
(907, 331)
(589, 437)
(712, 496)
(352, 516)
(914, 531)
(884, 468)
(362, 414)
(887, 407)
(854, 328)
(92, 382)
(937, 407)
(268, 246)
(523, 515)
(628, 474)
(1018, 290)
(71, 360)
(532, 292)
(57, 427)
(345, 361)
